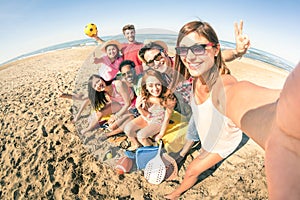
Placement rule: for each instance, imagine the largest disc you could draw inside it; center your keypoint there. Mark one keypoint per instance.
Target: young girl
(106, 97)
(155, 115)
(253, 108)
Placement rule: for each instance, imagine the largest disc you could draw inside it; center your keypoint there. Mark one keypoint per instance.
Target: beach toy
(155, 170)
(143, 155)
(90, 29)
(109, 155)
(123, 165)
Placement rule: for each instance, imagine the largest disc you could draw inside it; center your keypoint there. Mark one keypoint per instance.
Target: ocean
(170, 39)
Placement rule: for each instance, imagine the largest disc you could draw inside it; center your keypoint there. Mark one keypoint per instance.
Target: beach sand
(43, 157)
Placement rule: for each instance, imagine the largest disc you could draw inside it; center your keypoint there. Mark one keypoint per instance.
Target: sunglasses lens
(157, 57)
(198, 49)
(182, 51)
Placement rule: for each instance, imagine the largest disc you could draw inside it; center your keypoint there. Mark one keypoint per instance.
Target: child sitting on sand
(155, 114)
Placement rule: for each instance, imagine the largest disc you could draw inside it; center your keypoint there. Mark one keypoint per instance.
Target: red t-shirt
(130, 52)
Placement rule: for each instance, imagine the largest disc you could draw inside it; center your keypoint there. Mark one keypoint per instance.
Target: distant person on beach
(155, 105)
(108, 98)
(270, 117)
(130, 49)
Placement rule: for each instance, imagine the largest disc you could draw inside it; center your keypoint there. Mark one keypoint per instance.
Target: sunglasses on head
(197, 49)
(157, 57)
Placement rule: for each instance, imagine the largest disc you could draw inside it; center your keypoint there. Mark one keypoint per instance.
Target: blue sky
(272, 26)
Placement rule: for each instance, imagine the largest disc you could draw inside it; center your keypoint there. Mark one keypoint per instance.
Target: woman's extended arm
(283, 146)
(272, 119)
(246, 104)
(83, 106)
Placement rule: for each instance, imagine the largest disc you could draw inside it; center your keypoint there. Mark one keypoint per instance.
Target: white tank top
(217, 133)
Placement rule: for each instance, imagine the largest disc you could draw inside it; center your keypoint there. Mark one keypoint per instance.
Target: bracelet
(236, 55)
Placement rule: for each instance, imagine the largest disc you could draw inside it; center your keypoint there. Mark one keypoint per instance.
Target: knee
(129, 132)
(192, 172)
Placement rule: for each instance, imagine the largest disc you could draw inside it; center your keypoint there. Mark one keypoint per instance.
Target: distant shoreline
(170, 39)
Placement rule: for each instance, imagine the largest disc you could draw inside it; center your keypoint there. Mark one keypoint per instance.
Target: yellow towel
(174, 138)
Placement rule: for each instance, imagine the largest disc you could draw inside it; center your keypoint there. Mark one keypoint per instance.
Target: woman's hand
(242, 41)
(158, 137)
(140, 102)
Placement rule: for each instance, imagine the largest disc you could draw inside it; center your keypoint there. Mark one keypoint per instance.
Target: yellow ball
(90, 29)
(109, 155)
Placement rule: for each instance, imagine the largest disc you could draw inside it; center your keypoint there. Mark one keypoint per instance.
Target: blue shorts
(192, 133)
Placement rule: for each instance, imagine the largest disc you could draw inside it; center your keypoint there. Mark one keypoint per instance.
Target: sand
(43, 157)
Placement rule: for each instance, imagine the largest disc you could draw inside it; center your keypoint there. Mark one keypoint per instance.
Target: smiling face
(98, 84)
(130, 35)
(112, 51)
(198, 64)
(128, 74)
(155, 60)
(154, 86)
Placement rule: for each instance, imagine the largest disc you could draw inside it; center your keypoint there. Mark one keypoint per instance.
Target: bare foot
(133, 148)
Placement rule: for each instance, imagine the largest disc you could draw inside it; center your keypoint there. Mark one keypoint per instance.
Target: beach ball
(90, 29)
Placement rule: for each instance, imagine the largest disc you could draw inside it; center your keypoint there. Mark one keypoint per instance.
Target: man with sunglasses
(130, 49)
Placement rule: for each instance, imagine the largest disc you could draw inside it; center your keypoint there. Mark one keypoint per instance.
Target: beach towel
(174, 138)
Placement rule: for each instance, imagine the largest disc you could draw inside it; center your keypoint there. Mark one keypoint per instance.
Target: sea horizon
(169, 39)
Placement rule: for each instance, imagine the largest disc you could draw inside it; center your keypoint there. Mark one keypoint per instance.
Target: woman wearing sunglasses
(218, 98)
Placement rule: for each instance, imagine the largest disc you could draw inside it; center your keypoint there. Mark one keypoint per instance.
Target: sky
(26, 26)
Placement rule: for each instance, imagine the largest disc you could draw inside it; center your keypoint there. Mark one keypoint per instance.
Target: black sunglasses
(157, 57)
(197, 49)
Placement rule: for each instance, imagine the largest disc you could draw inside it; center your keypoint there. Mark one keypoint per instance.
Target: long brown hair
(158, 75)
(98, 99)
(205, 30)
